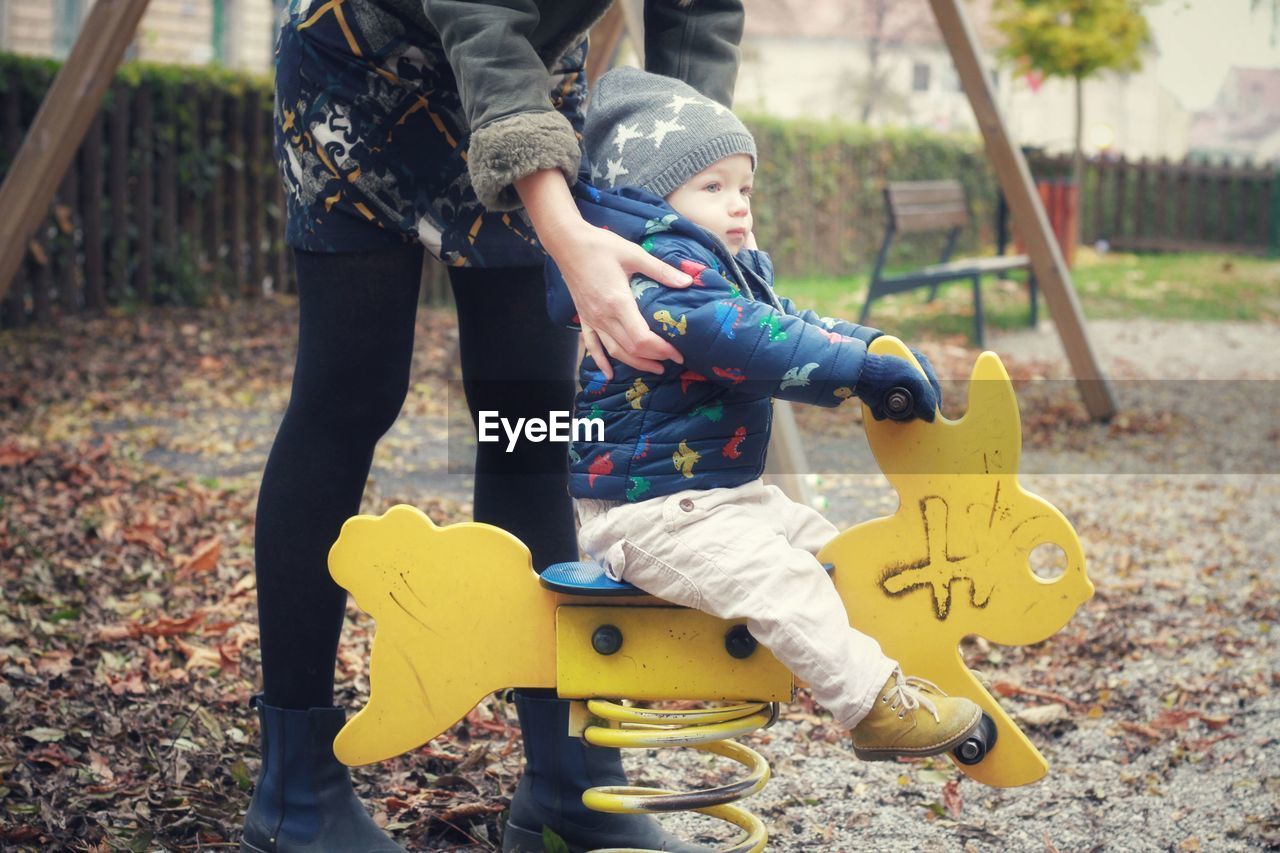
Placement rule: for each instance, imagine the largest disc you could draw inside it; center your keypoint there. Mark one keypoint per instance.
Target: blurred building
(234, 33)
(1243, 123)
(883, 62)
(874, 62)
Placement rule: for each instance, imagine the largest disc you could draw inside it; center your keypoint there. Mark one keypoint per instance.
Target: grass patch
(1202, 287)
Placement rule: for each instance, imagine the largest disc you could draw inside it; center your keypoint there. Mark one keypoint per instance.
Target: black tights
(355, 339)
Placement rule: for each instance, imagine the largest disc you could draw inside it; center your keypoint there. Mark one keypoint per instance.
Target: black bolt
(969, 752)
(739, 643)
(898, 403)
(606, 639)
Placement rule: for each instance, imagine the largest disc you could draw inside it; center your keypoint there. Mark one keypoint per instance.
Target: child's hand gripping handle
(897, 383)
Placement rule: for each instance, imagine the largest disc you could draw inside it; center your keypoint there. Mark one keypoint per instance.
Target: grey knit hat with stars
(654, 132)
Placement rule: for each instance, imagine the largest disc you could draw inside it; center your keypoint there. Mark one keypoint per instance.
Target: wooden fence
(1162, 206)
(173, 197)
(154, 209)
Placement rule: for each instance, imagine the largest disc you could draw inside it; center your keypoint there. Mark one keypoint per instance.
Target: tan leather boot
(913, 718)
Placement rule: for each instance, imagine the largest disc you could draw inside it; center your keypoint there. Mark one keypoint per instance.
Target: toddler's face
(719, 199)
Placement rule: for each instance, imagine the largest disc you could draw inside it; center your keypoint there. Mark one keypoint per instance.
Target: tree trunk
(1078, 154)
(879, 10)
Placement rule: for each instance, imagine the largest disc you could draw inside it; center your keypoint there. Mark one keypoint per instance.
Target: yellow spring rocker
(460, 613)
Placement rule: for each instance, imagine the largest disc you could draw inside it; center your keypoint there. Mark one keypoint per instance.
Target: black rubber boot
(303, 800)
(558, 768)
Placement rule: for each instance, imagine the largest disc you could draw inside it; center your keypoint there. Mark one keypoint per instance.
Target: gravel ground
(1166, 734)
(1157, 348)
(1182, 619)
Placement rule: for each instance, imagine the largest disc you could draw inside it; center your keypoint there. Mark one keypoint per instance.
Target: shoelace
(909, 693)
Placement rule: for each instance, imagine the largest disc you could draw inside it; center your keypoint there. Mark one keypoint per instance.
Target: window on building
(218, 36)
(919, 77)
(67, 17)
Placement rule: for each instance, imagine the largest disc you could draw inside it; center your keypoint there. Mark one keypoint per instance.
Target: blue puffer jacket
(706, 423)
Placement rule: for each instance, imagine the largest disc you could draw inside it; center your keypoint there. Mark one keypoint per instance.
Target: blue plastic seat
(587, 577)
(584, 577)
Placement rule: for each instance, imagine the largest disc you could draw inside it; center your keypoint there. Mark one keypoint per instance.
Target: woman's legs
(519, 364)
(515, 362)
(355, 342)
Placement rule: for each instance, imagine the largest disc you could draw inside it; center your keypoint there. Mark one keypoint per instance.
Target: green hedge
(186, 128)
(177, 90)
(819, 206)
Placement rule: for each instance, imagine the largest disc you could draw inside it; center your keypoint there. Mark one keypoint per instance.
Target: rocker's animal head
(957, 480)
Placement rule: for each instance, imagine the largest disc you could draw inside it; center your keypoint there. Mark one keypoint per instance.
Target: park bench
(920, 207)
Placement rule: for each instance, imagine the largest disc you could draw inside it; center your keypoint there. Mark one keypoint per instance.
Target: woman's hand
(597, 265)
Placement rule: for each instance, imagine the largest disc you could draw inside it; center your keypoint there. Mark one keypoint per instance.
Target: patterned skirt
(371, 138)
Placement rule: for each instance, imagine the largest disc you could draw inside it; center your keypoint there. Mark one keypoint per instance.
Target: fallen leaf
(1139, 728)
(198, 655)
(45, 735)
(1042, 715)
(144, 534)
(54, 664)
(98, 764)
(205, 557)
(11, 456)
(471, 810)
(130, 683)
(951, 798)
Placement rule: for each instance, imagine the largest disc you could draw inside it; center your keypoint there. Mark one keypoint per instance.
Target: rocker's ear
(993, 407)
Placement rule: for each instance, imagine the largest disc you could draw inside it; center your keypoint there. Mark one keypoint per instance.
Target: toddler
(671, 500)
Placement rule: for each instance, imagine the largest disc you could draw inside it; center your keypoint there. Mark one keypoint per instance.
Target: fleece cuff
(506, 150)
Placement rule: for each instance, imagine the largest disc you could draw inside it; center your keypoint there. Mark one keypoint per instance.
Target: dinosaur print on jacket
(668, 322)
(640, 285)
(733, 375)
(728, 315)
(773, 327)
(639, 485)
(635, 394)
(732, 447)
(685, 459)
(595, 383)
(687, 378)
(798, 375)
(602, 464)
(710, 411)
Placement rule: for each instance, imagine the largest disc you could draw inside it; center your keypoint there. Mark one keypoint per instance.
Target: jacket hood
(637, 215)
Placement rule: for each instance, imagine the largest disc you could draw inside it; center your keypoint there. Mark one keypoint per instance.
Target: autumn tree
(1074, 39)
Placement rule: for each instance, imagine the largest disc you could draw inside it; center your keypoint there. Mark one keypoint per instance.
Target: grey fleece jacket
(501, 52)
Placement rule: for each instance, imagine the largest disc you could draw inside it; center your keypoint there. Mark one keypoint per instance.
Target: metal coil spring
(707, 730)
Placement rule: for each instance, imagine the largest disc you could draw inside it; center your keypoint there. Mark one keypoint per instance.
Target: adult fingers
(632, 342)
(591, 340)
(628, 356)
(647, 265)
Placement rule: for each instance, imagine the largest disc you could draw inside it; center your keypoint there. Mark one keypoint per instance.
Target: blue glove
(928, 372)
(883, 373)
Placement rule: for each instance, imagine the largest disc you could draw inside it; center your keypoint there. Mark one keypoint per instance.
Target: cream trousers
(745, 552)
